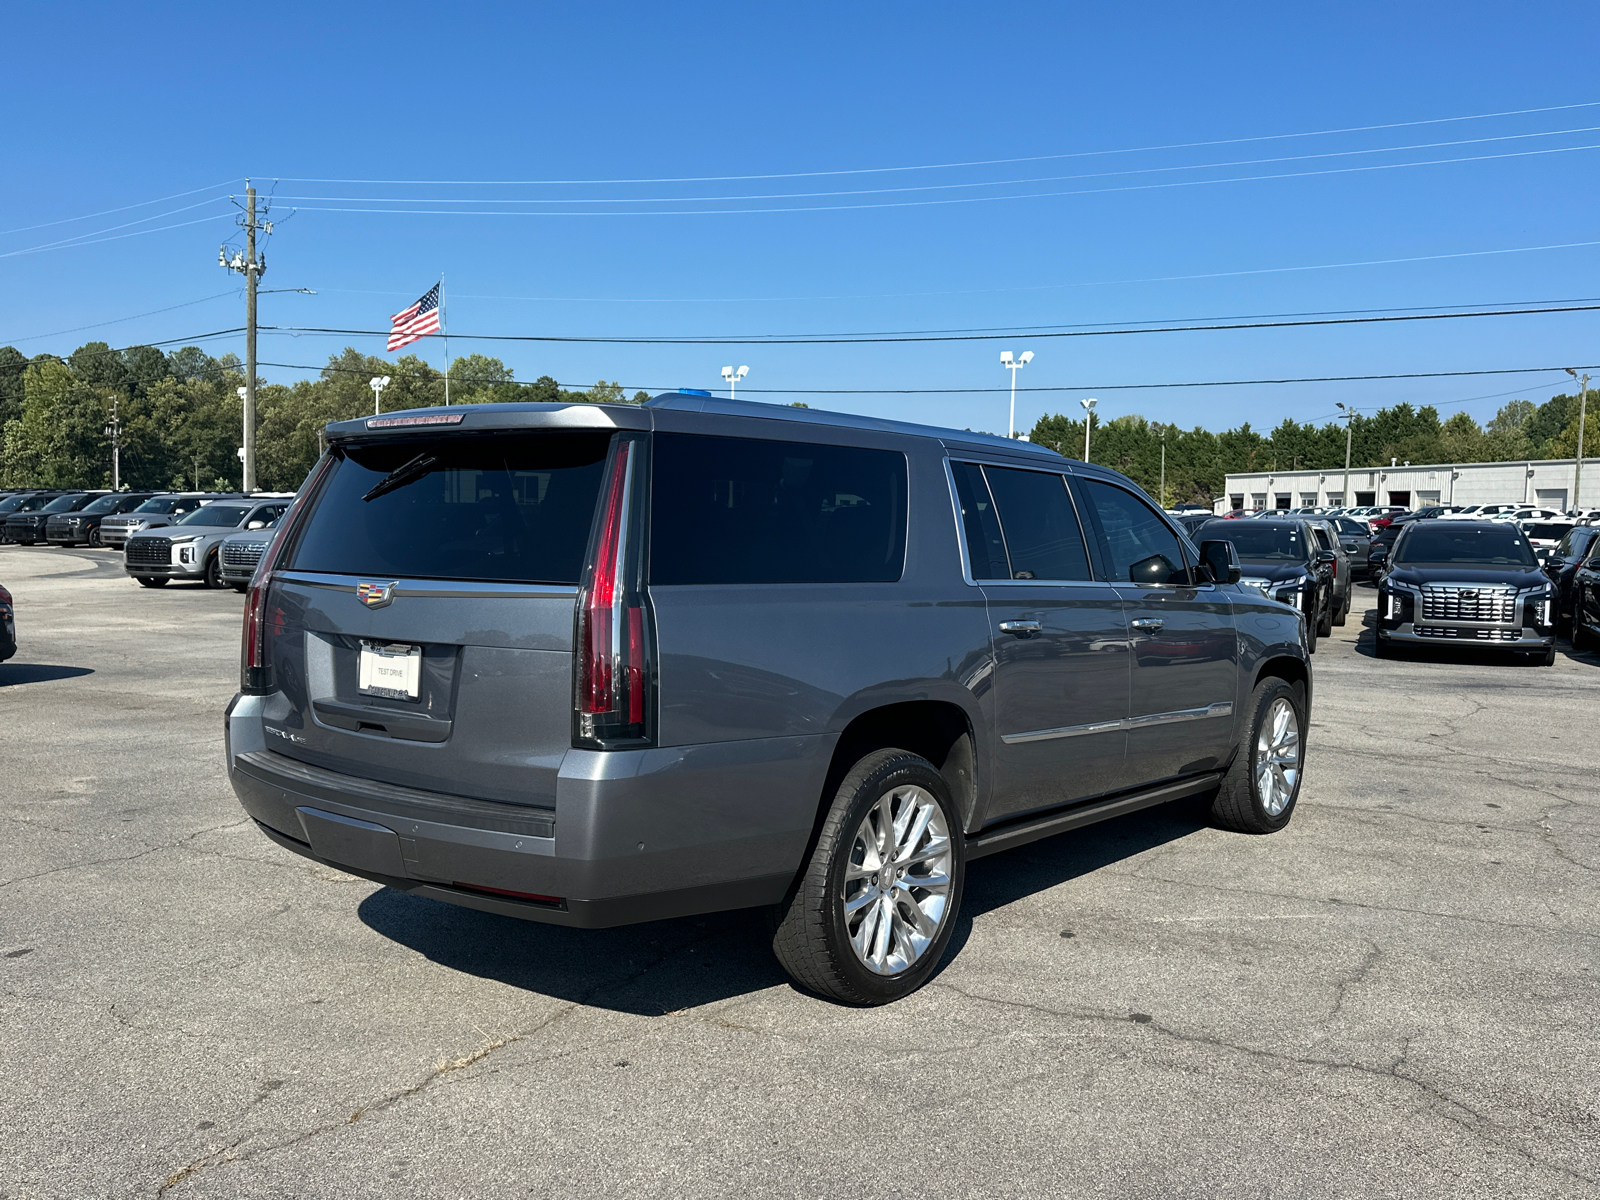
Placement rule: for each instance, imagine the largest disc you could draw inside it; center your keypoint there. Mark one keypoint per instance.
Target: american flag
(418, 321)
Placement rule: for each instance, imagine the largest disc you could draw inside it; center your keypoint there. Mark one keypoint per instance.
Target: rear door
(1059, 635)
(1184, 666)
(421, 633)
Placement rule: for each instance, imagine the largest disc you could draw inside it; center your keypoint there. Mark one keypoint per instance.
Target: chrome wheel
(897, 880)
(1278, 756)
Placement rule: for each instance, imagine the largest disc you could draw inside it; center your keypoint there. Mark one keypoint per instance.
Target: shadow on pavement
(15, 673)
(665, 966)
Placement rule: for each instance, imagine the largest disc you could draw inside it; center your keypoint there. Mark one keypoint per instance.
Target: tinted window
(514, 508)
(748, 510)
(1448, 542)
(103, 505)
(68, 503)
(11, 503)
(1140, 546)
(1040, 526)
(1577, 538)
(1264, 543)
(162, 504)
(1546, 532)
(986, 548)
(1352, 528)
(216, 515)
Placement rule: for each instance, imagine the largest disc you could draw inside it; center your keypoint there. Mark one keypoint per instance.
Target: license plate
(389, 669)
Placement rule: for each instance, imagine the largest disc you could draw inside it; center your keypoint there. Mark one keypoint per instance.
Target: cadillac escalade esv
(598, 664)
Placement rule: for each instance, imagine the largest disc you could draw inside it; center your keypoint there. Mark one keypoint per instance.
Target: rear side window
(1038, 527)
(749, 510)
(1141, 548)
(513, 508)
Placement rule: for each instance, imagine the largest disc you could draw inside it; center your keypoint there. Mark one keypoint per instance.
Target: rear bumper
(634, 835)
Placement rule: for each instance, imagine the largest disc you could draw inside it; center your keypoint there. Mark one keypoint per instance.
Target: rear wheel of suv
(213, 577)
(1325, 621)
(152, 580)
(1261, 787)
(95, 543)
(873, 910)
(1343, 614)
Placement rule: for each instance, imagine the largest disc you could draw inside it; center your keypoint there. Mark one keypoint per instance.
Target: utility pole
(1583, 411)
(252, 266)
(197, 472)
(1349, 418)
(114, 432)
(1163, 466)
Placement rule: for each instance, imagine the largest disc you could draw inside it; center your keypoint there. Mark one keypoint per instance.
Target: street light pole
(1088, 420)
(1014, 364)
(733, 377)
(1583, 411)
(1349, 417)
(114, 432)
(1163, 466)
(377, 384)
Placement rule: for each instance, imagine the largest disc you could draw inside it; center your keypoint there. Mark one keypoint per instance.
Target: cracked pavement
(1396, 996)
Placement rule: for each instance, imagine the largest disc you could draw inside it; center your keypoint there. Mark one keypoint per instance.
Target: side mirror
(1326, 557)
(1220, 561)
(256, 525)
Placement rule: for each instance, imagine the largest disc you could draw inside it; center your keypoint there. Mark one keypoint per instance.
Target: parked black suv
(1562, 564)
(598, 664)
(1466, 583)
(83, 526)
(26, 525)
(1284, 562)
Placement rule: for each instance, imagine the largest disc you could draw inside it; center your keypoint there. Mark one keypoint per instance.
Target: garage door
(1555, 498)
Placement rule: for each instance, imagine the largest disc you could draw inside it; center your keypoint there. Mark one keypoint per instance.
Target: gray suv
(188, 548)
(594, 664)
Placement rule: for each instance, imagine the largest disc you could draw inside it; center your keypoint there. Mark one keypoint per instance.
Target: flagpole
(444, 329)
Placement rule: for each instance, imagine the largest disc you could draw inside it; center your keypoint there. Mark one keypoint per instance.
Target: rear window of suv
(505, 508)
(748, 510)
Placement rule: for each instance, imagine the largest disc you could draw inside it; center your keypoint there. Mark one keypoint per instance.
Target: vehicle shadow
(666, 966)
(12, 674)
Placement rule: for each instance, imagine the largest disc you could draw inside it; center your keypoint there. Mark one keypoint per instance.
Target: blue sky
(116, 106)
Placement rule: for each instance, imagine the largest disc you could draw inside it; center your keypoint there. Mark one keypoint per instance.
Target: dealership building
(1547, 483)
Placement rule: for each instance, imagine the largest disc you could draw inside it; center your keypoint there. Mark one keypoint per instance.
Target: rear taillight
(614, 636)
(255, 667)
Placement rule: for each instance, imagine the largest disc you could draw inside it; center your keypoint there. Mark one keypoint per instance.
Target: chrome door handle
(1153, 624)
(1020, 628)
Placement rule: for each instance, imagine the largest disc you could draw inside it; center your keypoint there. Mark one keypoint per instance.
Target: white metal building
(1547, 483)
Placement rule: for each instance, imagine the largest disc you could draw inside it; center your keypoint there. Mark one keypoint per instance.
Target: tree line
(181, 419)
(1198, 460)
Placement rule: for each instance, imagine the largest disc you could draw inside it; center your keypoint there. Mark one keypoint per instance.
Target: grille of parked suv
(247, 555)
(1451, 602)
(150, 551)
(1481, 635)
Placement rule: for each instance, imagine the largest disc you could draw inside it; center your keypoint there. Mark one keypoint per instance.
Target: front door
(1059, 636)
(1184, 665)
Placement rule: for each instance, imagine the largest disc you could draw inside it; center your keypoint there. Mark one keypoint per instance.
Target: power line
(118, 320)
(934, 336)
(1132, 187)
(936, 187)
(107, 212)
(990, 162)
(1077, 387)
(73, 244)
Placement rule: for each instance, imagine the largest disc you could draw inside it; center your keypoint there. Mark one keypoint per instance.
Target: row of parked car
(213, 537)
(1506, 577)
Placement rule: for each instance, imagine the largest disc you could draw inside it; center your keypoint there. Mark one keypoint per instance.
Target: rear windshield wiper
(402, 475)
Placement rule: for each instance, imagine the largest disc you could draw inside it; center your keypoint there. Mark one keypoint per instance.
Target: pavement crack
(122, 858)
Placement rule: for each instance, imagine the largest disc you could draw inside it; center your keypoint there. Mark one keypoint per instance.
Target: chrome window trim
(433, 588)
(1223, 708)
(961, 527)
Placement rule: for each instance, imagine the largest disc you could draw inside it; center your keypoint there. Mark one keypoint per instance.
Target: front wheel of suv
(1261, 787)
(874, 909)
(152, 580)
(213, 577)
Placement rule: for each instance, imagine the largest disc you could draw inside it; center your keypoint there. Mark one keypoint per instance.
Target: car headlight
(1289, 593)
(1261, 585)
(184, 537)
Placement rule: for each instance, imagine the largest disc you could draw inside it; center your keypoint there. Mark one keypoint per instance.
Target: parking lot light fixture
(1088, 420)
(377, 384)
(1014, 363)
(733, 377)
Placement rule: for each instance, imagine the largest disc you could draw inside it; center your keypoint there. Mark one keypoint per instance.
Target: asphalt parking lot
(1396, 996)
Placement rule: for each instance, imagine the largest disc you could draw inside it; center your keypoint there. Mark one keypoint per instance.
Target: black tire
(152, 580)
(29, 542)
(1325, 619)
(810, 933)
(241, 588)
(1542, 658)
(1311, 635)
(95, 542)
(213, 576)
(1581, 641)
(1343, 614)
(1238, 804)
